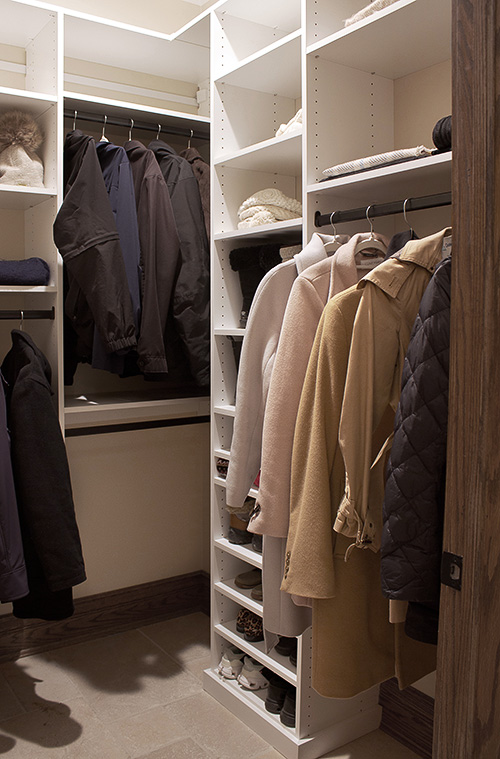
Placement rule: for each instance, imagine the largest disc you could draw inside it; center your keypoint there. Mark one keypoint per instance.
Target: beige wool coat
(354, 644)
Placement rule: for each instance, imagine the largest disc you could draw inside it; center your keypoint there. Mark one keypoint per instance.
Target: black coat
(50, 535)
(191, 302)
(413, 508)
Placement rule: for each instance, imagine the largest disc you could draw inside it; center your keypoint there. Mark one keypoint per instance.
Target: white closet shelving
(376, 86)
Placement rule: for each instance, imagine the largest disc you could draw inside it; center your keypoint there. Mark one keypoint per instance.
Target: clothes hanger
(21, 322)
(371, 247)
(103, 136)
(333, 245)
(190, 137)
(74, 120)
(130, 129)
(158, 132)
(406, 218)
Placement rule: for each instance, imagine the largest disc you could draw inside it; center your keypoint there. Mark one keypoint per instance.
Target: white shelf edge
(256, 650)
(257, 147)
(123, 104)
(253, 492)
(100, 413)
(316, 47)
(27, 289)
(229, 590)
(239, 551)
(290, 225)
(221, 453)
(25, 190)
(29, 94)
(380, 172)
(259, 54)
(225, 410)
(229, 332)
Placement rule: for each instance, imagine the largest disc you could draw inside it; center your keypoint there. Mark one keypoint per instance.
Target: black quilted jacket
(415, 487)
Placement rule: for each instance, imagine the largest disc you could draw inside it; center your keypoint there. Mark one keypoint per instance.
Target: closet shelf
(279, 664)
(14, 198)
(281, 14)
(229, 332)
(222, 453)
(225, 410)
(274, 69)
(28, 290)
(253, 492)
(419, 177)
(378, 45)
(241, 552)
(289, 230)
(238, 595)
(103, 409)
(280, 154)
(34, 102)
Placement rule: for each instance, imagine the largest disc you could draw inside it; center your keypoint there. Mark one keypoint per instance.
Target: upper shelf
(402, 38)
(36, 102)
(282, 14)
(281, 154)
(275, 69)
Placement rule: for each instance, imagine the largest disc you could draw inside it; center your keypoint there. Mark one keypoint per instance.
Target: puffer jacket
(415, 488)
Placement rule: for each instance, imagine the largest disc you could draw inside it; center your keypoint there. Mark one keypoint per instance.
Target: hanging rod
(384, 209)
(142, 125)
(21, 314)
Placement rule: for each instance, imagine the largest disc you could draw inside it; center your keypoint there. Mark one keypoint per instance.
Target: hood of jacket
(75, 146)
(23, 353)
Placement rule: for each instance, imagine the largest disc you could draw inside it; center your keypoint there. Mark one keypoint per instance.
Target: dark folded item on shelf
(252, 263)
(372, 168)
(441, 134)
(29, 271)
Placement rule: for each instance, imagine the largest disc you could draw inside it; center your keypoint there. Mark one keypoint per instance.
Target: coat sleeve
(415, 488)
(303, 312)
(317, 477)
(85, 234)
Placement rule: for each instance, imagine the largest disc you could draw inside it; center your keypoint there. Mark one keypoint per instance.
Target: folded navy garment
(29, 271)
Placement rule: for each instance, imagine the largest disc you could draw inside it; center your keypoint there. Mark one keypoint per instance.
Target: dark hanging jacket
(85, 233)
(13, 578)
(191, 304)
(413, 507)
(117, 175)
(49, 530)
(201, 170)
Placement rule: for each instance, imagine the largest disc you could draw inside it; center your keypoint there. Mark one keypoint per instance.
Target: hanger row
(132, 124)
(383, 209)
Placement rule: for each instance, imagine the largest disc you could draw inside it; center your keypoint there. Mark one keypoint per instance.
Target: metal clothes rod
(21, 314)
(142, 125)
(384, 209)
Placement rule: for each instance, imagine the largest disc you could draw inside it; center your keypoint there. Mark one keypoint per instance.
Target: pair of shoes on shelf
(253, 676)
(221, 465)
(231, 663)
(256, 593)
(280, 699)
(250, 625)
(248, 579)
(287, 647)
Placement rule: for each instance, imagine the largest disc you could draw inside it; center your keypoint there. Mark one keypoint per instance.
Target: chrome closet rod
(384, 209)
(22, 314)
(142, 125)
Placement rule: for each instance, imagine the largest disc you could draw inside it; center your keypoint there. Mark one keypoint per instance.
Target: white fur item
(20, 137)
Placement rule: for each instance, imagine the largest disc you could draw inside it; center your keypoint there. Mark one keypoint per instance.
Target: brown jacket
(354, 645)
(201, 170)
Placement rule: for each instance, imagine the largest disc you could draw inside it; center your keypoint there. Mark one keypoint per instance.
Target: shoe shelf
(274, 661)
(222, 453)
(282, 154)
(240, 551)
(241, 596)
(253, 492)
(228, 410)
(377, 44)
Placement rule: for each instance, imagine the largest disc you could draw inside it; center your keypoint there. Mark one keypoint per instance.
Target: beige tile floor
(135, 695)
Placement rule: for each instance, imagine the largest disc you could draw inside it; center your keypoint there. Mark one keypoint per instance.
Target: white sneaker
(231, 663)
(251, 676)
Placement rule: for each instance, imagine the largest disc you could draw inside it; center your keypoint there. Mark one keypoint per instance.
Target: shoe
(256, 593)
(257, 543)
(252, 676)
(241, 619)
(221, 465)
(254, 631)
(286, 646)
(293, 658)
(276, 694)
(231, 663)
(248, 579)
(287, 713)
(239, 537)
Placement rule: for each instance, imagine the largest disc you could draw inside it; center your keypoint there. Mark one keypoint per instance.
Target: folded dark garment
(441, 134)
(29, 271)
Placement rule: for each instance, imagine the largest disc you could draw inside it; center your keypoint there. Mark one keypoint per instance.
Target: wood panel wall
(467, 716)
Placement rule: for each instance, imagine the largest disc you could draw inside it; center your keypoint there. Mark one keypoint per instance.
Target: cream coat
(354, 644)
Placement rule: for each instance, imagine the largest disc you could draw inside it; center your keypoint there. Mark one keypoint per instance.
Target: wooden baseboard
(408, 717)
(105, 614)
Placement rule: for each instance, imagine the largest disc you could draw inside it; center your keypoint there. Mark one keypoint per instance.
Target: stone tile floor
(135, 695)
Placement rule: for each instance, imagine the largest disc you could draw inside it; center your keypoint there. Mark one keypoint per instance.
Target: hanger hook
(74, 120)
(158, 133)
(333, 225)
(22, 320)
(372, 233)
(190, 138)
(404, 215)
(130, 129)
(103, 136)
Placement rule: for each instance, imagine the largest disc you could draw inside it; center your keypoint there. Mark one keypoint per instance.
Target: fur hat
(20, 138)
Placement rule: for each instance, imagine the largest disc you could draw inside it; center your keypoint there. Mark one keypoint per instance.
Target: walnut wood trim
(407, 716)
(467, 696)
(105, 614)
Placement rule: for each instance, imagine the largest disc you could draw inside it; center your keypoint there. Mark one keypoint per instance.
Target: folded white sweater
(377, 5)
(266, 207)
